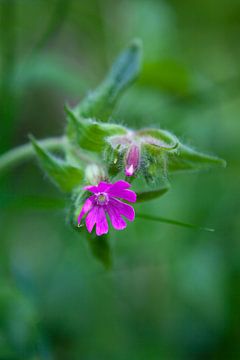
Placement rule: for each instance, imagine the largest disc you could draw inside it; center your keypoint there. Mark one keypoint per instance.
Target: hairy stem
(25, 152)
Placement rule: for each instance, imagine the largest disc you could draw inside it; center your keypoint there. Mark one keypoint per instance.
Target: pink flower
(104, 201)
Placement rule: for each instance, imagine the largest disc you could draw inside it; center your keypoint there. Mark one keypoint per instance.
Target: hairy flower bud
(143, 151)
(94, 174)
(132, 159)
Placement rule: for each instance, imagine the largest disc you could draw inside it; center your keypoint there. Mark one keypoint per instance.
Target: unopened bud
(132, 160)
(94, 174)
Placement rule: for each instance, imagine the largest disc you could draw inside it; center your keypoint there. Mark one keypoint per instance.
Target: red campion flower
(104, 202)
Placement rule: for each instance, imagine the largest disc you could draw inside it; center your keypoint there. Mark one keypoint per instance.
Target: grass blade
(172, 222)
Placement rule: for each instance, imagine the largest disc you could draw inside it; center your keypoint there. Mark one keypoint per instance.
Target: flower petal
(91, 218)
(101, 187)
(120, 184)
(101, 224)
(120, 189)
(97, 216)
(86, 207)
(122, 209)
(115, 217)
(128, 195)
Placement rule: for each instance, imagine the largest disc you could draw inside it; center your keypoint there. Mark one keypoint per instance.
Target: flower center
(102, 198)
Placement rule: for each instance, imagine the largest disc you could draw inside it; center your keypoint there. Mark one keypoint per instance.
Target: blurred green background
(173, 293)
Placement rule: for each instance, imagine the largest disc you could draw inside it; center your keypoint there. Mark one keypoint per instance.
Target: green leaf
(100, 103)
(188, 159)
(151, 195)
(64, 175)
(173, 222)
(90, 134)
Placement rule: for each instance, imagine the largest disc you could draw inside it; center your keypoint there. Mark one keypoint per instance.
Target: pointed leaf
(100, 103)
(64, 175)
(151, 195)
(90, 134)
(188, 159)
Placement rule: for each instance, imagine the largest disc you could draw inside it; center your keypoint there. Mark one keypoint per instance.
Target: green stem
(25, 152)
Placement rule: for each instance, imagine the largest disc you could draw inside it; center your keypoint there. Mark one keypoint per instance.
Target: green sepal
(90, 134)
(152, 194)
(186, 158)
(154, 164)
(114, 159)
(156, 145)
(64, 175)
(99, 104)
(160, 139)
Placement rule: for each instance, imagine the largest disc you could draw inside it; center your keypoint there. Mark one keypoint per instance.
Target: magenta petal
(91, 218)
(128, 195)
(86, 207)
(122, 209)
(101, 187)
(120, 189)
(120, 184)
(117, 222)
(90, 188)
(97, 216)
(101, 224)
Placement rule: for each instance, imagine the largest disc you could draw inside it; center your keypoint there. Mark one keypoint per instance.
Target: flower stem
(25, 152)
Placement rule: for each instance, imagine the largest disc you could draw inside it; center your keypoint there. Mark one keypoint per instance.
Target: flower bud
(132, 160)
(144, 151)
(94, 174)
